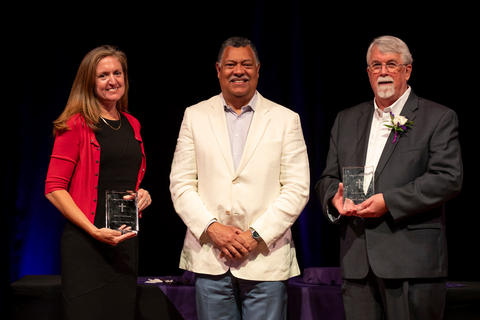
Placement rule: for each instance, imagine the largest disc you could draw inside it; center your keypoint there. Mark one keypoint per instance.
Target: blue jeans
(230, 298)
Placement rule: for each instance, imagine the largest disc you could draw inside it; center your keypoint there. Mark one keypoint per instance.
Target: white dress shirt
(379, 132)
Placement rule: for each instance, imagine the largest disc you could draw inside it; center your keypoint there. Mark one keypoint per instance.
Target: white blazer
(267, 192)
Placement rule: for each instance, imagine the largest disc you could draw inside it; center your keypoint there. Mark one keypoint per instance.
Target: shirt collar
(249, 106)
(396, 107)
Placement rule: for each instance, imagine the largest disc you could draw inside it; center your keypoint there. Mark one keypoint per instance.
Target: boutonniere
(399, 124)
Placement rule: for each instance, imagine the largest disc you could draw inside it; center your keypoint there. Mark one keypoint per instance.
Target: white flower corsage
(399, 124)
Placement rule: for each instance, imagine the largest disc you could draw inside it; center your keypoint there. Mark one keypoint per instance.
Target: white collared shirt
(379, 132)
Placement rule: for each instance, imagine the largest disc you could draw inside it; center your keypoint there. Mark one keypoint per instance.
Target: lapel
(361, 144)
(219, 128)
(409, 112)
(257, 128)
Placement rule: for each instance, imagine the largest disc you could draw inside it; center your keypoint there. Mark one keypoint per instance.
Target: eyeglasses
(391, 67)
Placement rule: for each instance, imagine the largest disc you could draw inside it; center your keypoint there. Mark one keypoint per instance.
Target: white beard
(386, 91)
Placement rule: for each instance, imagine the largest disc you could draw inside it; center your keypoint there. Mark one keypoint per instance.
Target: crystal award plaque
(121, 209)
(357, 185)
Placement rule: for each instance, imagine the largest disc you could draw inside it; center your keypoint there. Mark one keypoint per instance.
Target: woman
(97, 147)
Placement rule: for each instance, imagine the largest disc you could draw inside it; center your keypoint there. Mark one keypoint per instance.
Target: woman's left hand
(143, 199)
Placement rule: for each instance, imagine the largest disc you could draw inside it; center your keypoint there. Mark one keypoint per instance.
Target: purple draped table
(315, 295)
(180, 290)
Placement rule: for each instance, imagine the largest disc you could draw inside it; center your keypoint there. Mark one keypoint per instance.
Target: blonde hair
(82, 98)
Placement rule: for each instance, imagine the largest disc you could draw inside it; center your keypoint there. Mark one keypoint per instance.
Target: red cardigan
(75, 163)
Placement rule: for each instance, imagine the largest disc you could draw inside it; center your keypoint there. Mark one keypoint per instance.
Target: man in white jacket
(239, 180)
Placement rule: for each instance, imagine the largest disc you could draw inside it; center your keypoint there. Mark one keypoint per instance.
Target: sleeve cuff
(208, 225)
(333, 214)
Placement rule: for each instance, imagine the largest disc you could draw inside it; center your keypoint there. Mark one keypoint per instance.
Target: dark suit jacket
(417, 174)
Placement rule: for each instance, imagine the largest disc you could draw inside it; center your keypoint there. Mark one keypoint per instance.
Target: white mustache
(384, 79)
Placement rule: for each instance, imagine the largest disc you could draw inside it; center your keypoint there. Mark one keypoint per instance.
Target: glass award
(121, 209)
(357, 185)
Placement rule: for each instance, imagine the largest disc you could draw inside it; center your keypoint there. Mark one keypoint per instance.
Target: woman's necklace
(108, 124)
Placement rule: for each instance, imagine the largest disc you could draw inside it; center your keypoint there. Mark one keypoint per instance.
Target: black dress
(99, 280)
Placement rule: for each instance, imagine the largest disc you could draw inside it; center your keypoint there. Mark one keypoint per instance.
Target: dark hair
(237, 42)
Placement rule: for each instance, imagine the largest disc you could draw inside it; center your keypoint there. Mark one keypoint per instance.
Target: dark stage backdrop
(312, 61)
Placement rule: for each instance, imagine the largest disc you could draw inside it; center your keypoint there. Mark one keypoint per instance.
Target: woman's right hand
(113, 237)
(63, 201)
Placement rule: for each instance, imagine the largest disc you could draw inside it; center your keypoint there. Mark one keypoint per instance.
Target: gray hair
(237, 42)
(391, 44)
